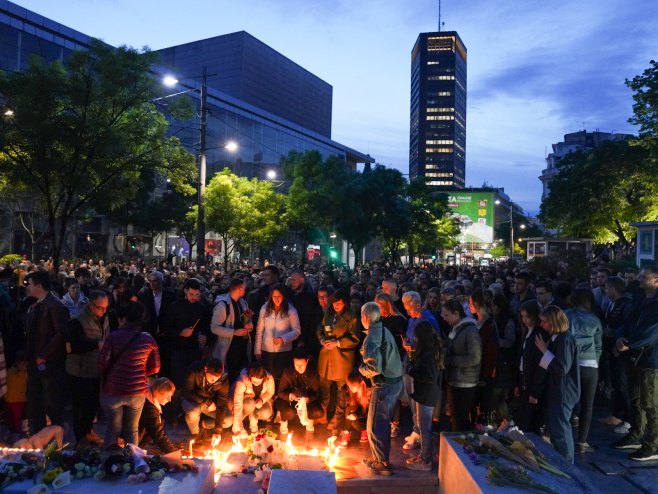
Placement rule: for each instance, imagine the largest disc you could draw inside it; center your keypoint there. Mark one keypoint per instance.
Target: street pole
(201, 225)
(511, 230)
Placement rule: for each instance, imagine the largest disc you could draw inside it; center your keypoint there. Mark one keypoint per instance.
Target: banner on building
(475, 212)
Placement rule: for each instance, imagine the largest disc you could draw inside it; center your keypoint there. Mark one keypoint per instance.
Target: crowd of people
(333, 348)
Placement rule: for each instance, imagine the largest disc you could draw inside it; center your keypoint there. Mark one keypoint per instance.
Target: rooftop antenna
(439, 15)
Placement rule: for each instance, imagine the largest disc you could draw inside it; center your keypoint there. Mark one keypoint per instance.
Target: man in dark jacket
(642, 340)
(187, 324)
(206, 392)
(299, 383)
(157, 300)
(45, 352)
(310, 313)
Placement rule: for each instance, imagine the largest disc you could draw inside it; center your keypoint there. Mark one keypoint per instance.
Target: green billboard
(475, 212)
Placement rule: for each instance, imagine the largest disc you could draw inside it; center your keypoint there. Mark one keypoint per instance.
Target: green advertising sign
(475, 212)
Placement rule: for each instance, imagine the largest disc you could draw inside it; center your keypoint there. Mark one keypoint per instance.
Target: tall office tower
(437, 145)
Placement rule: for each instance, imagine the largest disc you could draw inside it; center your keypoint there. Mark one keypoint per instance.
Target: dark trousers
(461, 403)
(589, 378)
(85, 401)
(180, 362)
(275, 363)
(45, 395)
(236, 357)
(621, 407)
(644, 406)
(557, 418)
(289, 412)
(529, 417)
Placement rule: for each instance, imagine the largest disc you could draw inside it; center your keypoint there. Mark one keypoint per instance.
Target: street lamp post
(200, 224)
(203, 127)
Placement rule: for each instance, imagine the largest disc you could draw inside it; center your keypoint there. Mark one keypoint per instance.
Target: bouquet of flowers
(246, 318)
(263, 448)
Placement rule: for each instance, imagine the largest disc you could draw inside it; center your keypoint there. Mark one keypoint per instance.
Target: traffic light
(332, 253)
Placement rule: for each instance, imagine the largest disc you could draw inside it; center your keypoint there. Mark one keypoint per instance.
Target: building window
(440, 117)
(442, 78)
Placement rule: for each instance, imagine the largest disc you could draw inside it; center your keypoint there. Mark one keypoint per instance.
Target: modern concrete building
(437, 139)
(576, 141)
(257, 98)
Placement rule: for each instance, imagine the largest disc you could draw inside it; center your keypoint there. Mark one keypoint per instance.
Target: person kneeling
(252, 397)
(352, 409)
(299, 393)
(158, 394)
(205, 392)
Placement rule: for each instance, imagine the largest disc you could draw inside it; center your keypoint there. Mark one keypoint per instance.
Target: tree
(645, 108)
(243, 211)
(83, 133)
(597, 194)
(312, 197)
(429, 229)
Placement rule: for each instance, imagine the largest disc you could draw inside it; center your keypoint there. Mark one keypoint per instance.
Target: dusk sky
(536, 70)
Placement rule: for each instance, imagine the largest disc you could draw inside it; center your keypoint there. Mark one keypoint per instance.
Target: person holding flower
(231, 324)
(560, 359)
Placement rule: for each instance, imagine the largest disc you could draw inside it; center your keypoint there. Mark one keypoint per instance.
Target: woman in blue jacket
(586, 329)
(560, 359)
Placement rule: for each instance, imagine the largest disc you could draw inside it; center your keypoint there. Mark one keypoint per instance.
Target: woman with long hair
(340, 336)
(278, 326)
(352, 409)
(463, 359)
(560, 360)
(529, 416)
(491, 398)
(426, 373)
(586, 329)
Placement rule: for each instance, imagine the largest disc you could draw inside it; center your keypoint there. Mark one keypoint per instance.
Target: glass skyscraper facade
(437, 139)
(258, 98)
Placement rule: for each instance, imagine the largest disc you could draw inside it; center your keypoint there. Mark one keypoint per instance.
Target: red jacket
(128, 376)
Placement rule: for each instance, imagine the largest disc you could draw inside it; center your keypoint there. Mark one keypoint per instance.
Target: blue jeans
(424, 417)
(380, 412)
(122, 414)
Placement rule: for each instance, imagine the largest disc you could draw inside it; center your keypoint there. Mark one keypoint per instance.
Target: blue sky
(536, 69)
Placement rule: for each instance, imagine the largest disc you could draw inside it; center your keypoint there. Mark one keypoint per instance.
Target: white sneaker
(309, 426)
(623, 428)
(411, 442)
(283, 428)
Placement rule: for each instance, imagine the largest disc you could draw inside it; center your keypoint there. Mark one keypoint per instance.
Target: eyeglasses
(98, 307)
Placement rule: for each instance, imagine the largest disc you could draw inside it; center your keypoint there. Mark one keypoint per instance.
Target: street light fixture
(511, 227)
(200, 226)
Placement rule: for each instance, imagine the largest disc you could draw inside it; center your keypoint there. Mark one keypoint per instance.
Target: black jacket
(198, 390)
(145, 296)
(151, 425)
(45, 331)
(426, 375)
(533, 378)
(182, 314)
(306, 385)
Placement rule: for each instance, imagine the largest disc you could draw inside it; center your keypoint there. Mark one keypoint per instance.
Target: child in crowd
(352, 409)
(16, 396)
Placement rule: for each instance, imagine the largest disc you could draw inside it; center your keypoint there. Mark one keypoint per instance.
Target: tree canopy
(243, 211)
(83, 132)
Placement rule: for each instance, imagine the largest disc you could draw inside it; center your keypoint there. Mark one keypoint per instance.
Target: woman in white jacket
(278, 326)
(252, 397)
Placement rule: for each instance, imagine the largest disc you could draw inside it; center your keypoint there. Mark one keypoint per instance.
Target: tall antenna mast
(439, 15)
